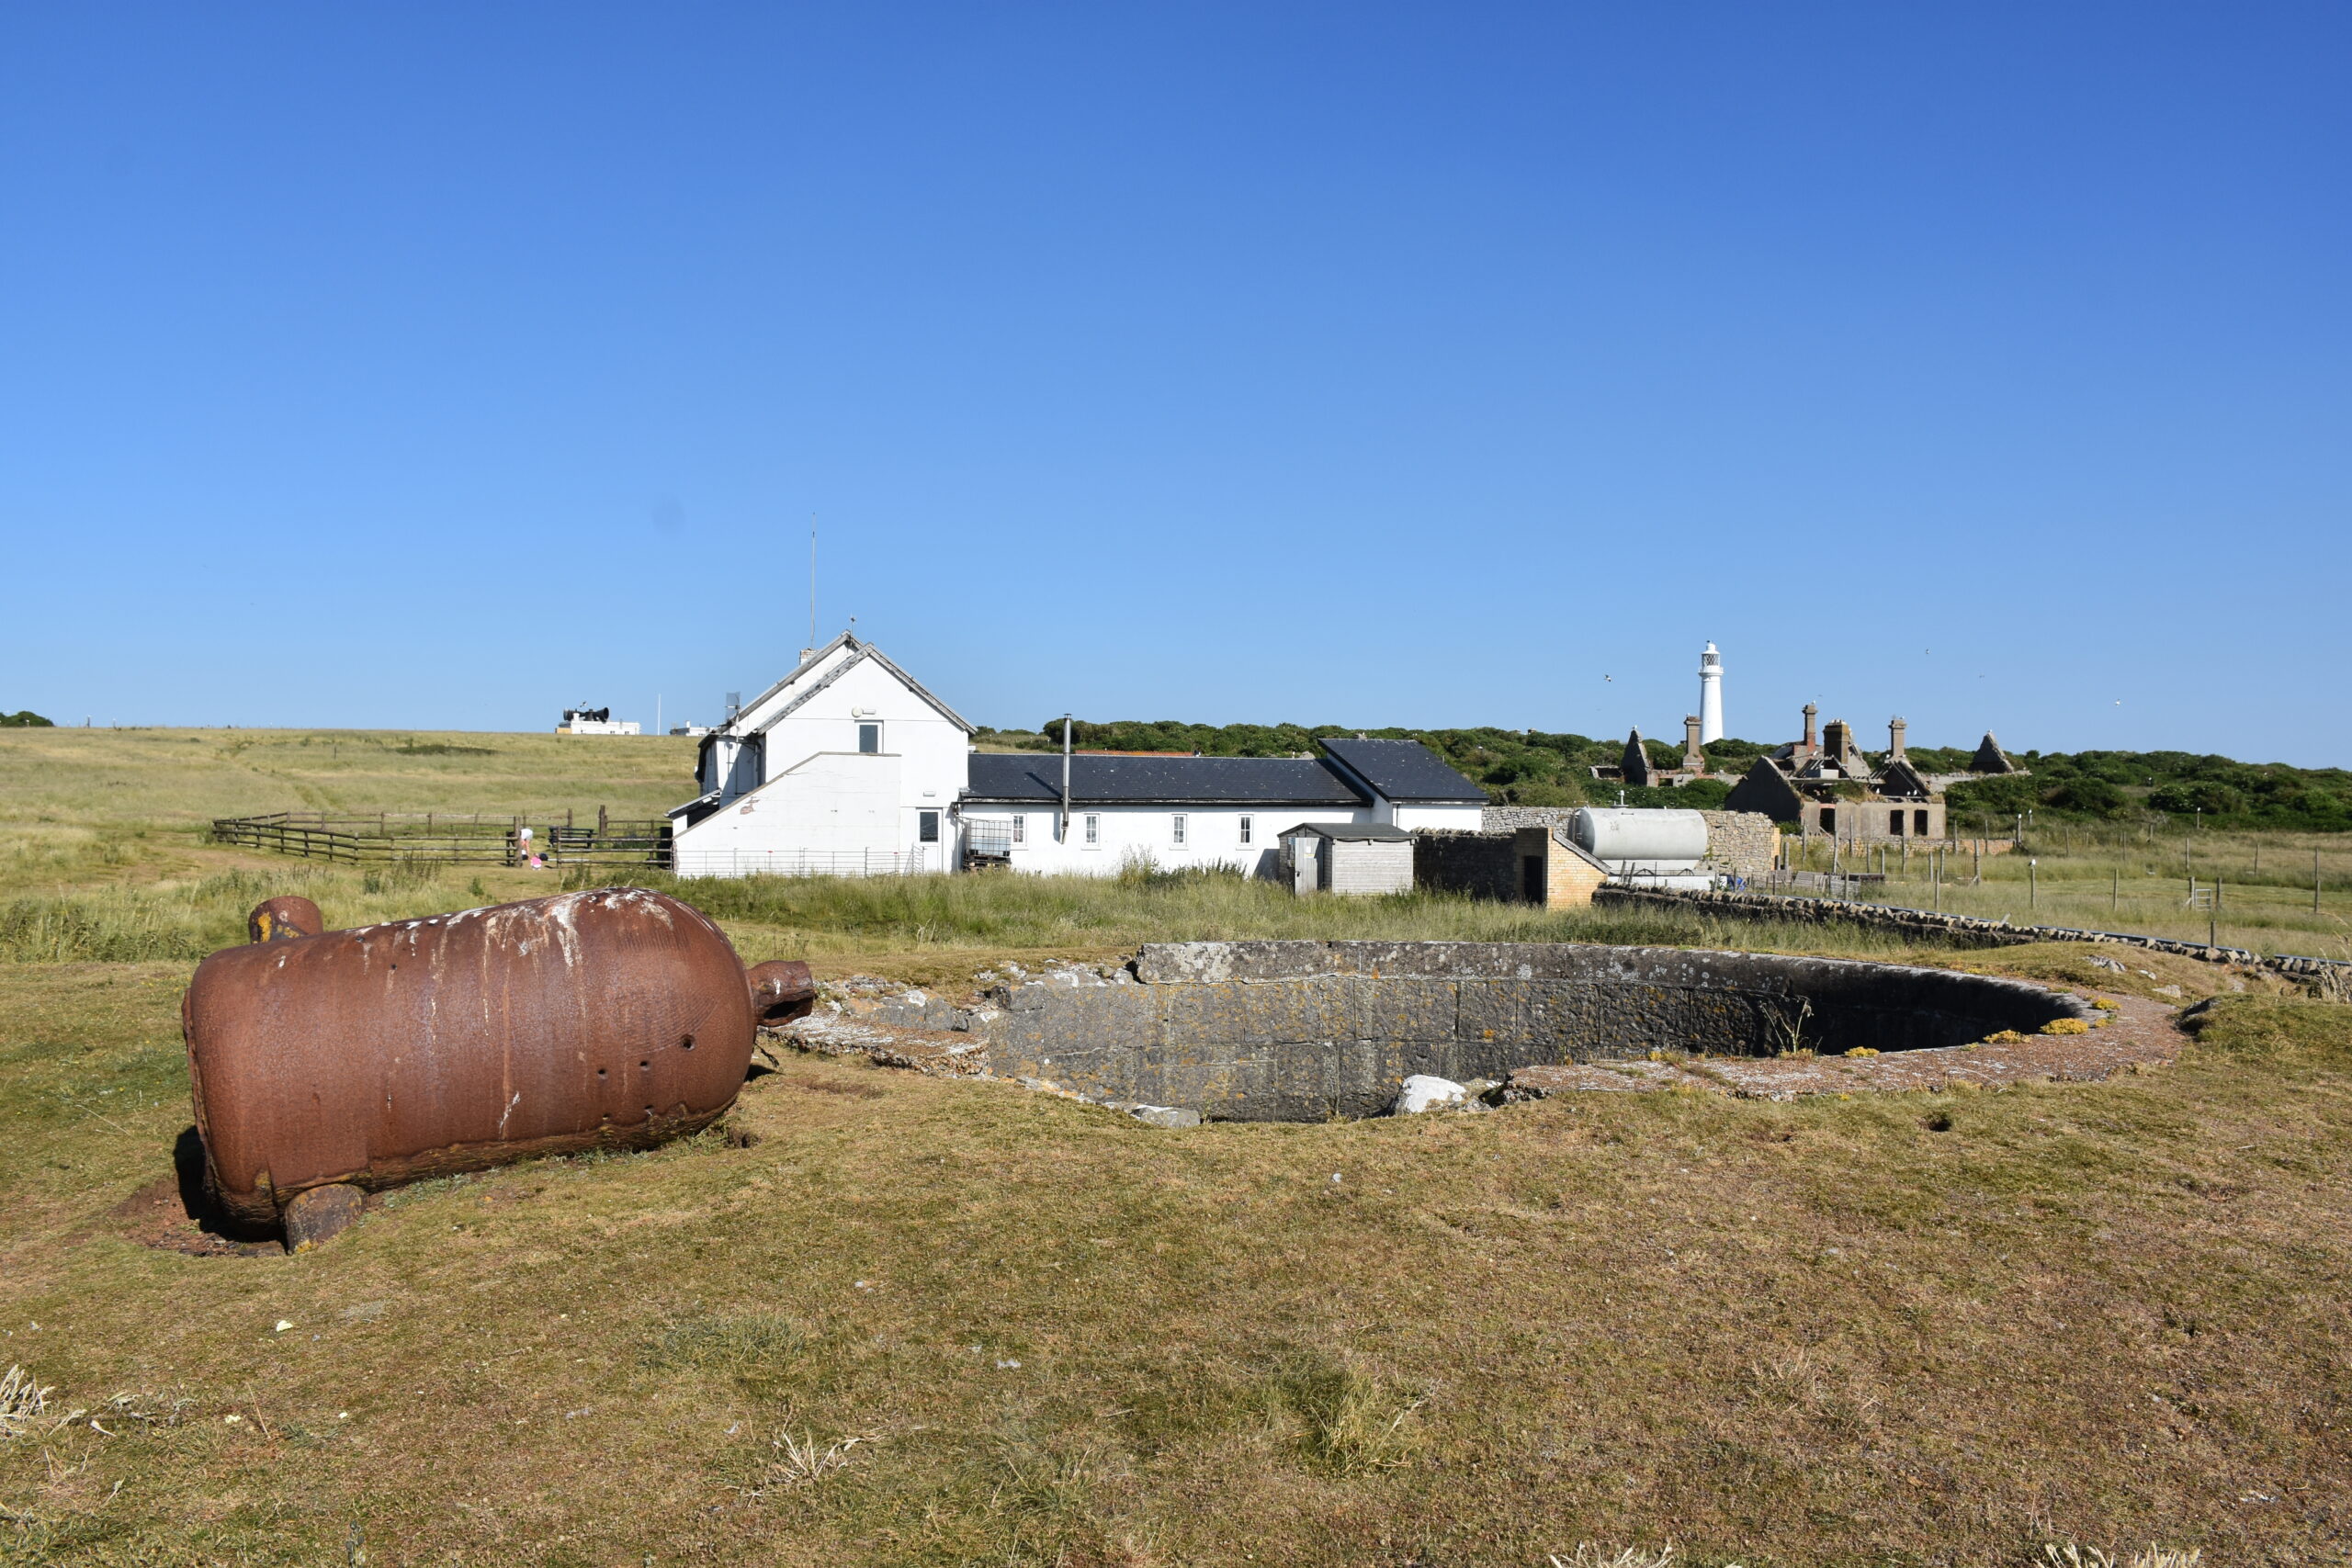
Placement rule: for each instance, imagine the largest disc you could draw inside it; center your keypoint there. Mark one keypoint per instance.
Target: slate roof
(1404, 771)
(1023, 776)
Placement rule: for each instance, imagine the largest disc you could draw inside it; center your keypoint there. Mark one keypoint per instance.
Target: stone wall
(1957, 931)
(1740, 843)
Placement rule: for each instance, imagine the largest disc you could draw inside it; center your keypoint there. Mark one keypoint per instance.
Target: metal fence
(450, 839)
(803, 863)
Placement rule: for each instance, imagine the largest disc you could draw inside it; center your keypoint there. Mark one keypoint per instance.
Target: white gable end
(846, 765)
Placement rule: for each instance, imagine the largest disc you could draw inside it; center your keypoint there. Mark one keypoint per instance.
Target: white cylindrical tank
(1630, 839)
(1711, 695)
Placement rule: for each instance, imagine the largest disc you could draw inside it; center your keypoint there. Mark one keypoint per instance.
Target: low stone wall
(1304, 1031)
(1958, 931)
(1741, 844)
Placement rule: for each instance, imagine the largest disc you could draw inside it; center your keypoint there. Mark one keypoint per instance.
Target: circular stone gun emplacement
(1307, 1031)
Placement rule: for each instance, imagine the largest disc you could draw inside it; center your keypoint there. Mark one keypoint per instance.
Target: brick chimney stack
(1894, 728)
(1694, 759)
(1812, 734)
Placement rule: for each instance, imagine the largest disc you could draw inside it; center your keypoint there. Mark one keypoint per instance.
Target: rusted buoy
(283, 918)
(367, 1059)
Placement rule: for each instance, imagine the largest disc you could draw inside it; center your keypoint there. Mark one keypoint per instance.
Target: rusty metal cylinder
(618, 1018)
(283, 918)
(782, 990)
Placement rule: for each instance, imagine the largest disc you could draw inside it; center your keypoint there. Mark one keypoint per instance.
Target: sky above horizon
(440, 367)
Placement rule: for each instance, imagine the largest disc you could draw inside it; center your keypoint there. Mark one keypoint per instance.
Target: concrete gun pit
(1310, 1031)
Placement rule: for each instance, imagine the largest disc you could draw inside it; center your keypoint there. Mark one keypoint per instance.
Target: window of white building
(869, 739)
(1021, 830)
(1176, 829)
(1248, 828)
(1094, 830)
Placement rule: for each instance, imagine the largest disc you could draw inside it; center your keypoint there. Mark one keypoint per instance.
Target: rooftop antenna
(812, 580)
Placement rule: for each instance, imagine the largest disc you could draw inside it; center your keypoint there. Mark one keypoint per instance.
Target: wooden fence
(450, 838)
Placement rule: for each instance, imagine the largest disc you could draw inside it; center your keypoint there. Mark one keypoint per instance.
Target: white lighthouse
(1711, 695)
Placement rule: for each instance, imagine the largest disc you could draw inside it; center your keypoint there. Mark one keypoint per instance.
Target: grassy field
(2104, 878)
(1909, 1330)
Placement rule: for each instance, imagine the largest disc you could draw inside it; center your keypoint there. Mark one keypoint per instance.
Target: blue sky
(438, 367)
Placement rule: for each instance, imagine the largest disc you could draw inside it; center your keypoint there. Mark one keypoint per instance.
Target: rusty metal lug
(618, 1018)
(321, 1213)
(782, 991)
(283, 918)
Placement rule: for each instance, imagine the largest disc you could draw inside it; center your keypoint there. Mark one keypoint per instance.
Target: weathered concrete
(1301, 1031)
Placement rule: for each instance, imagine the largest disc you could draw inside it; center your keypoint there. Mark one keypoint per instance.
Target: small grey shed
(1347, 857)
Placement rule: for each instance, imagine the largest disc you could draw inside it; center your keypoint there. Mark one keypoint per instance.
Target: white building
(848, 766)
(1200, 811)
(595, 721)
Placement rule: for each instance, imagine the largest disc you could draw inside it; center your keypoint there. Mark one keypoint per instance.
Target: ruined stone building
(1824, 785)
(1635, 768)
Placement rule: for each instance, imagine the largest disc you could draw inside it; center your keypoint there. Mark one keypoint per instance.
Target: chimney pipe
(1894, 728)
(1064, 834)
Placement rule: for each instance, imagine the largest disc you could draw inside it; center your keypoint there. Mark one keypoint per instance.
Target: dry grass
(22, 1401)
(1840, 1332)
(1886, 1331)
(1587, 1555)
(2072, 1556)
(2098, 878)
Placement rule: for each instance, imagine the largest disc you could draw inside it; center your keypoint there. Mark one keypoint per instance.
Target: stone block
(1238, 1013)
(1403, 1010)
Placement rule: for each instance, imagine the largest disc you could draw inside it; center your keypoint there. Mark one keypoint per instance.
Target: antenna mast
(812, 580)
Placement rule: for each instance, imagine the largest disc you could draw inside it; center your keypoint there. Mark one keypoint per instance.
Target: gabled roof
(1634, 767)
(1990, 758)
(860, 653)
(1900, 780)
(1403, 771)
(798, 670)
(1351, 832)
(1023, 777)
(1766, 789)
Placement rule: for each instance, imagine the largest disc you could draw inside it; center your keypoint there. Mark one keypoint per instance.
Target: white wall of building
(1454, 818)
(1212, 836)
(810, 798)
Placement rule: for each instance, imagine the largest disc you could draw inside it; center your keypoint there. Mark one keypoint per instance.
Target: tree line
(1527, 767)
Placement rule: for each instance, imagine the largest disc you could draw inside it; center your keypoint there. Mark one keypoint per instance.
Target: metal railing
(802, 862)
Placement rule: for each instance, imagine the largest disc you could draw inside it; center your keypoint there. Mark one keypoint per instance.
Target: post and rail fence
(451, 838)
